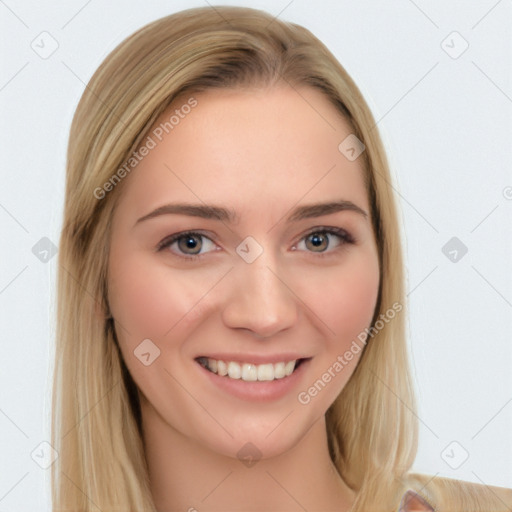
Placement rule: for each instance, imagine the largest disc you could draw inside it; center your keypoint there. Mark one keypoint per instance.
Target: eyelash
(345, 237)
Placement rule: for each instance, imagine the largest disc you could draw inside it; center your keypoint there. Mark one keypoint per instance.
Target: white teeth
(212, 364)
(250, 372)
(222, 368)
(279, 371)
(289, 367)
(266, 372)
(234, 370)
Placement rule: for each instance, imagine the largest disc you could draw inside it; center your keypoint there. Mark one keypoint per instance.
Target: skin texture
(261, 153)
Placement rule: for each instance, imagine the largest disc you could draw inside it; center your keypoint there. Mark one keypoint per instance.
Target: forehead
(267, 147)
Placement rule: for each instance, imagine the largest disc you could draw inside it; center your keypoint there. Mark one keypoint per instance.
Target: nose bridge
(265, 281)
(259, 299)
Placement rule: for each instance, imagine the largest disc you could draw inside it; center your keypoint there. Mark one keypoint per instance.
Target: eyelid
(343, 234)
(169, 240)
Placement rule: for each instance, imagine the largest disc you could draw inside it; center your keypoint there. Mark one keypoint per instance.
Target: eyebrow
(228, 215)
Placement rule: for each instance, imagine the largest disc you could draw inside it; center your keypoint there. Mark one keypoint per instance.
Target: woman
(231, 303)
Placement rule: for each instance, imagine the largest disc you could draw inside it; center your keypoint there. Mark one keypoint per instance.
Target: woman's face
(282, 267)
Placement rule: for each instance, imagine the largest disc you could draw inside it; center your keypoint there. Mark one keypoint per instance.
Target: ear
(413, 502)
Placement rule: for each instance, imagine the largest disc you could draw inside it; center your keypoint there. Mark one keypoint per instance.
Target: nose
(259, 299)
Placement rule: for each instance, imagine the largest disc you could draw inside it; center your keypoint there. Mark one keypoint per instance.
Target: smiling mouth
(250, 372)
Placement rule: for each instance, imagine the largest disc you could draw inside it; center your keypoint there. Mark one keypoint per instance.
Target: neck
(188, 476)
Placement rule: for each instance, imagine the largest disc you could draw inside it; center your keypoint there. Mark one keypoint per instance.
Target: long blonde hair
(371, 426)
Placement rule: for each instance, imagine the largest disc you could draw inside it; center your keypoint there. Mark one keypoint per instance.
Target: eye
(324, 240)
(187, 244)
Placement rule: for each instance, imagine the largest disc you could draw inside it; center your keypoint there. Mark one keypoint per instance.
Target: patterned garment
(413, 502)
(433, 493)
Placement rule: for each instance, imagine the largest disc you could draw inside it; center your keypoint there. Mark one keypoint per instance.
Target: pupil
(190, 242)
(318, 241)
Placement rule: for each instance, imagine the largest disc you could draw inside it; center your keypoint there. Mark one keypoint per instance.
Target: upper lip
(255, 358)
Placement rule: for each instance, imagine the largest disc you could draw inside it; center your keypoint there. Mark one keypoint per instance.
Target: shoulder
(440, 494)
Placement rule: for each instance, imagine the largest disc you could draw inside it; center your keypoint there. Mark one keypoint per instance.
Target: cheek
(345, 299)
(344, 302)
(149, 300)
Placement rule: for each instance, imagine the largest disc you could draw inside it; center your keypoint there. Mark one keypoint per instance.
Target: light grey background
(446, 120)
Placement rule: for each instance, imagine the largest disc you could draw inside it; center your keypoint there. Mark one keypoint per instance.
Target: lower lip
(259, 391)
